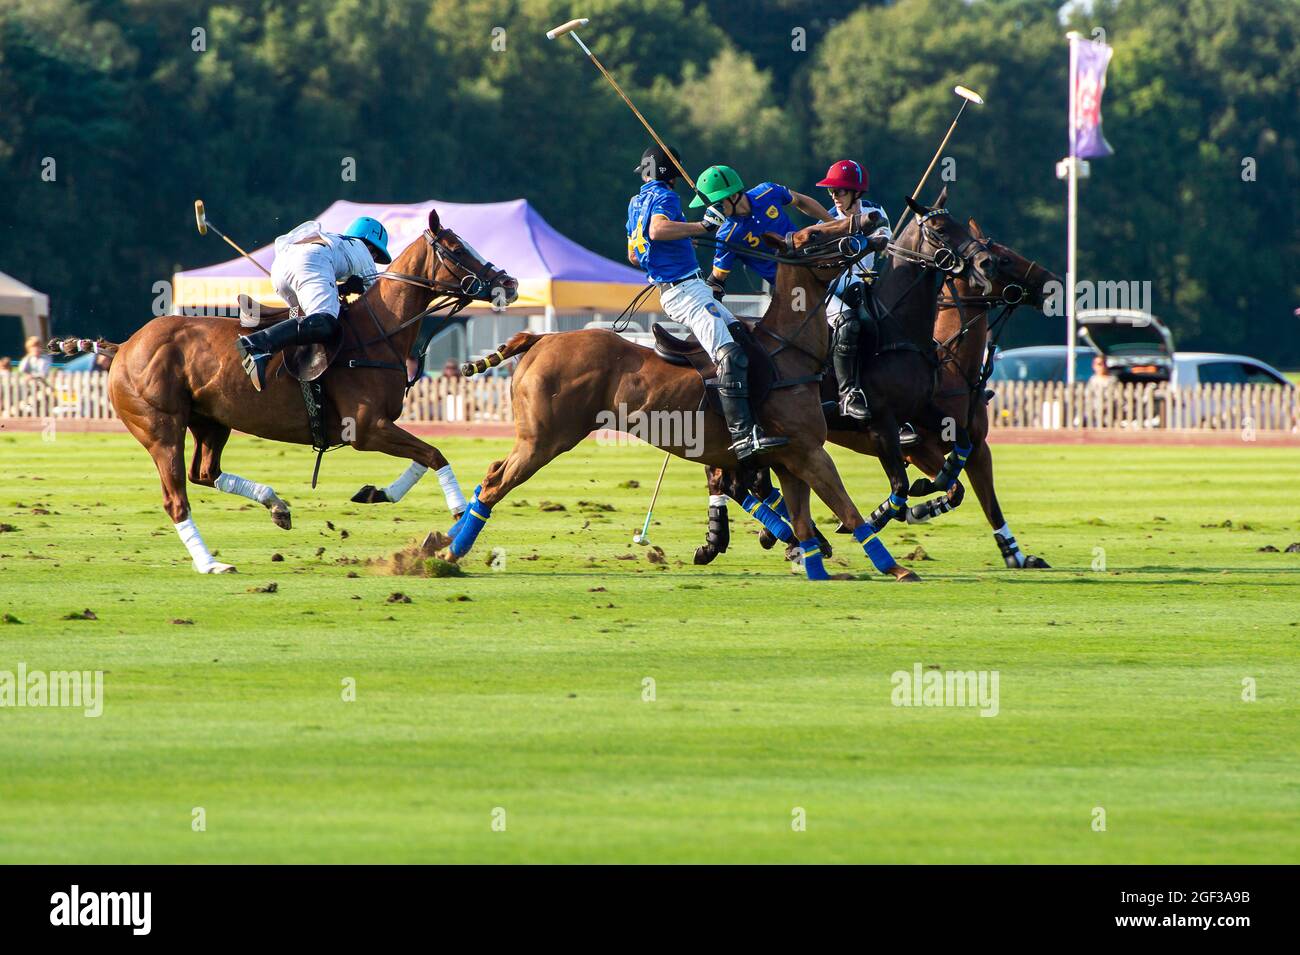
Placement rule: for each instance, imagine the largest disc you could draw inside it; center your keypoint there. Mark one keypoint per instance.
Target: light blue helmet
(374, 234)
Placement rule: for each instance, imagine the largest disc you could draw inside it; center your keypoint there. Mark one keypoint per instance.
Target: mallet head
(967, 94)
(564, 28)
(200, 217)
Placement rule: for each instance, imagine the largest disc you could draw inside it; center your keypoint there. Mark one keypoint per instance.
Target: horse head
(1016, 279)
(934, 235)
(457, 266)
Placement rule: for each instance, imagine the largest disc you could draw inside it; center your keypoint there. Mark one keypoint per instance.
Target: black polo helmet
(664, 169)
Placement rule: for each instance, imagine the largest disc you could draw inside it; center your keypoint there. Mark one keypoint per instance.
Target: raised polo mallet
(571, 29)
(967, 96)
(201, 219)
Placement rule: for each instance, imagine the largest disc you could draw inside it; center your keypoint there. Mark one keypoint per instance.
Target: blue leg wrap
(769, 519)
(874, 549)
(476, 516)
(777, 503)
(953, 467)
(455, 527)
(812, 560)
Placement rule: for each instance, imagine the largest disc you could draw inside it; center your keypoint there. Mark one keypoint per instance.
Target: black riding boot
(747, 438)
(256, 349)
(844, 357)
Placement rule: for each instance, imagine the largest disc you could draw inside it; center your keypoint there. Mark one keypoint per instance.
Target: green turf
(522, 688)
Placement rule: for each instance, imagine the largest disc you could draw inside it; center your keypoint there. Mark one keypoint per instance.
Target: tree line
(116, 114)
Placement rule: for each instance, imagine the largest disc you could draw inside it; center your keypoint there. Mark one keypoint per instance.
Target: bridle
(944, 257)
(1013, 295)
(477, 282)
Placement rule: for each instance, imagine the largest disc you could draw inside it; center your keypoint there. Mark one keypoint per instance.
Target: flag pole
(1071, 276)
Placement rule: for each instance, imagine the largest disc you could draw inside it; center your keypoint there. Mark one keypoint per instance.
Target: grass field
(521, 689)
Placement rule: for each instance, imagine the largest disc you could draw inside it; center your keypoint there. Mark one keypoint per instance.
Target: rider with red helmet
(852, 304)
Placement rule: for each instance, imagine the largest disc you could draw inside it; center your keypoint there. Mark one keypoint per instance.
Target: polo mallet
(201, 219)
(967, 96)
(571, 29)
(642, 537)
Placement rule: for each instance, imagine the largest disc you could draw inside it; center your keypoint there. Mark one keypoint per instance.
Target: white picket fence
(1016, 404)
(1136, 407)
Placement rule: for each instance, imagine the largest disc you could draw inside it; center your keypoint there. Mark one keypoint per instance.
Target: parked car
(1047, 363)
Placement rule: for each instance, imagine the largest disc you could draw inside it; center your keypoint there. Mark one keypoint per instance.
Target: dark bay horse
(962, 333)
(182, 372)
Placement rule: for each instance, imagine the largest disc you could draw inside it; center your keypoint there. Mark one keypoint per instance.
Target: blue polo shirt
(768, 200)
(663, 261)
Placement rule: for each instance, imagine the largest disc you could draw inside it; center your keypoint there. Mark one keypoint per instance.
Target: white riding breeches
(304, 275)
(691, 303)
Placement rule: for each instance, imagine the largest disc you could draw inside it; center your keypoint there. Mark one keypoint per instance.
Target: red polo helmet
(846, 174)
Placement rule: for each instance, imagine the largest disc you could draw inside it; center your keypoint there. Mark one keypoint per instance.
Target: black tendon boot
(255, 350)
(747, 438)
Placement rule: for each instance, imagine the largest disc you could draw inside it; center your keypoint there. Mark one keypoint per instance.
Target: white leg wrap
(451, 490)
(234, 484)
(193, 542)
(718, 500)
(405, 481)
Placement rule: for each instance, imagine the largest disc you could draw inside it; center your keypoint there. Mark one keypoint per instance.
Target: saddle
(303, 362)
(689, 352)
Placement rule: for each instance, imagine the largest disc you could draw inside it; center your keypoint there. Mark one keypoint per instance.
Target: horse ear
(974, 228)
(434, 223)
(943, 198)
(916, 207)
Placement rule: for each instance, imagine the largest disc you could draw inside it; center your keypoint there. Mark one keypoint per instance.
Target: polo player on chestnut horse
(565, 382)
(185, 372)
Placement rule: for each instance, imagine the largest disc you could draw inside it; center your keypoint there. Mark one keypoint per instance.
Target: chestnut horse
(566, 382)
(962, 335)
(180, 372)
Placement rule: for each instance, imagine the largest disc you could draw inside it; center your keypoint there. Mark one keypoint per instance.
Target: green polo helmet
(717, 182)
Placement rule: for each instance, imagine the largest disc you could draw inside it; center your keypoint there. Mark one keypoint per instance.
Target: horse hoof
(705, 554)
(793, 552)
(371, 495)
(435, 542)
(905, 576)
(766, 540)
(281, 517)
(843, 528)
(922, 487)
(1036, 563)
(216, 567)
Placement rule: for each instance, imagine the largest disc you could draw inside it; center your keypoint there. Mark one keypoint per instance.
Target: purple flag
(1088, 62)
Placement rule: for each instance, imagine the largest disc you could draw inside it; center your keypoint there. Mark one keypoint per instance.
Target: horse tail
(77, 346)
(517, 345)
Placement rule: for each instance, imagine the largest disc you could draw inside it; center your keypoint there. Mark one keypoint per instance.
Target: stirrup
(756, 443)
(853, 404)
(253, 362)
(907, 435)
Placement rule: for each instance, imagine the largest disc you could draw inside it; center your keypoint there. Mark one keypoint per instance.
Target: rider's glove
(354, 285)
(716, 287)
(878, 243)
(713, 219)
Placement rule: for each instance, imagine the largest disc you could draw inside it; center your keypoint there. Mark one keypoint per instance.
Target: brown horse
(180, 372)
(567, 383)
(962, 333)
